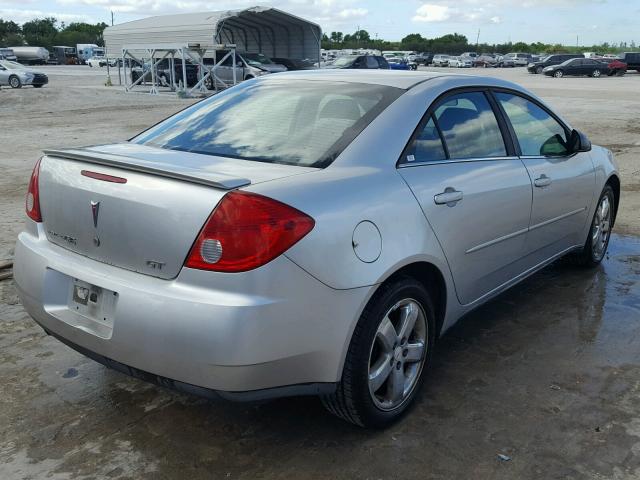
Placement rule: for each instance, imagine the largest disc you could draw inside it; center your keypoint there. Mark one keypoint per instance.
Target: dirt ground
(548, 374)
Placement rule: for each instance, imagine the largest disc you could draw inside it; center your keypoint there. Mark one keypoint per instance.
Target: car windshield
(305, 123)
(344, 61)
(257, 59)
(12, 65)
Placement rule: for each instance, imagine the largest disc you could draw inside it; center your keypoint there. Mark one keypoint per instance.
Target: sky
(568, 22)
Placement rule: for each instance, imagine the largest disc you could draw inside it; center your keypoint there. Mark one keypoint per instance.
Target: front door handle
(542, 181)
(449, 197)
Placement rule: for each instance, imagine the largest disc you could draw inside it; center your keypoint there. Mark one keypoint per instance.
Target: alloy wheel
(601, 228)
(397, 354)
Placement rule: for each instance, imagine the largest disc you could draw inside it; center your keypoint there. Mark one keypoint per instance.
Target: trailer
(31, 55)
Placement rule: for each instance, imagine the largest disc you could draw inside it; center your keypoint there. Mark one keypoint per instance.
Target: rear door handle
(449, 197)
(542, 181)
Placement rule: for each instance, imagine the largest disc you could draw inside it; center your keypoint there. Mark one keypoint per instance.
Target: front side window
(296, 122)
(469, 126)
(372, 62)
(537, 132)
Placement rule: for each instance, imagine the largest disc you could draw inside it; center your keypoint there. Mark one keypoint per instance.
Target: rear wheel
(15, 82)
(538, 70)
(558, 74)
(598, 240)
(595, 73)
(620, 73)
(390, 350)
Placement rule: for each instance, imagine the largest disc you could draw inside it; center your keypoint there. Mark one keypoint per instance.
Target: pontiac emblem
(95, 209)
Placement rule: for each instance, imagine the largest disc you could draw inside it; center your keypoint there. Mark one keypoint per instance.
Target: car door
(563, 182)
(473, 190)
(4, 76)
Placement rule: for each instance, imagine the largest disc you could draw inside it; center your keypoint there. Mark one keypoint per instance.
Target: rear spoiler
(191, 175)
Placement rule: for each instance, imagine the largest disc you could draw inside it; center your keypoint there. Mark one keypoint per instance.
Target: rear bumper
(270, 332)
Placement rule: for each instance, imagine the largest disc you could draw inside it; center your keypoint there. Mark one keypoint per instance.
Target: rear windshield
(294, 122)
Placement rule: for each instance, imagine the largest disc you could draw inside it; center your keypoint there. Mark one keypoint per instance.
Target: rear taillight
(33, 195)
(246, 231)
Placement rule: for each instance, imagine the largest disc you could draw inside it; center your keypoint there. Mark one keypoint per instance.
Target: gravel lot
(547, 374)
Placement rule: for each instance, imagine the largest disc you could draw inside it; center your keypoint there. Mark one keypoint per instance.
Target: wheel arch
(433, 281)
(614, 182)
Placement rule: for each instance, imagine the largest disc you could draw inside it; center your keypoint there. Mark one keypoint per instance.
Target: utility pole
(477, 40)
(112, 18)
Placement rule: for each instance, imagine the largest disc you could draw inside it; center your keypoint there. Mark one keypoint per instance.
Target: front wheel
(598, 240)
(15, 82)
(558, 74)
(539, 70)
(390, 350)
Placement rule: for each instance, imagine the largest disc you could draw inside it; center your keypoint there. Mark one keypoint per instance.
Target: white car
(440, 60)
(101, 62)
(460, 62)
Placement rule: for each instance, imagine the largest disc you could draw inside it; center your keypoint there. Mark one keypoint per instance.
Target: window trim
(507, 138)
(514, 137)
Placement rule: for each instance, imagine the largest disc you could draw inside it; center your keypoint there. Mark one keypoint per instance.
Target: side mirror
(578, 142)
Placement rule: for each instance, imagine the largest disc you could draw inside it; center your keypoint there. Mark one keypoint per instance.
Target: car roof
(391, 78)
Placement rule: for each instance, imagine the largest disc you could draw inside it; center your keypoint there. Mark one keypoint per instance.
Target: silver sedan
(308, 233)
(16, 75)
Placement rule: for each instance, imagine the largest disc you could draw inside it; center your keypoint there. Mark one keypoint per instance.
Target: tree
(40, 33)
(10, 33)
(337, 37)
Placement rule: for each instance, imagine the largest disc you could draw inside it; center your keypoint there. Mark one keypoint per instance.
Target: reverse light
(32, 203)
(246, 231)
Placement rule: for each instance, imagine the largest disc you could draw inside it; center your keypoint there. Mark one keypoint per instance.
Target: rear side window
(537, 132)
(296, 122)
(382, 62)
(372, 62)
(469, 126)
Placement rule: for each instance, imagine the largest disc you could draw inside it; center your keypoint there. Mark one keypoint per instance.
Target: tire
(558, 73)
(377, 403)
(592, 253)
(37, 86)
(596, 73)
(620, 73)
(15, 82)
(539, 70)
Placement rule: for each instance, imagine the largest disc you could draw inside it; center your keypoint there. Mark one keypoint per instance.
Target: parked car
(163, 70)
(424, 58)
(17, 75)
(248, 66)
(632, 59)
(101, 62)
(485, 61)
(460, 62)
(397, 63)
(273, 201)
(440, 60)
(360, 62)
(471, 55)
(615, 66)
(578, 67)
(504, 61)
(550, 60)
(519, 59)
(7, 54)
(294, 63)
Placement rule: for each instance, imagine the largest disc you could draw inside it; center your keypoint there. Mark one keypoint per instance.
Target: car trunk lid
(138, 207)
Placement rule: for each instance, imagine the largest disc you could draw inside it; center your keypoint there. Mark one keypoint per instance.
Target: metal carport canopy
(266, 30)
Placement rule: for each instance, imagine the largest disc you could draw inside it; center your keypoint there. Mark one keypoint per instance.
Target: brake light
(33, 195)
(245, 231)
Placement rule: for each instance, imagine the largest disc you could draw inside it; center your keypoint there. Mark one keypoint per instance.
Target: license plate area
(92, 302)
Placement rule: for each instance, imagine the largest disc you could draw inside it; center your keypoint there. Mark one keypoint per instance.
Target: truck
(87, 50)
(63, 55)
(31, 55)
(7, 54)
